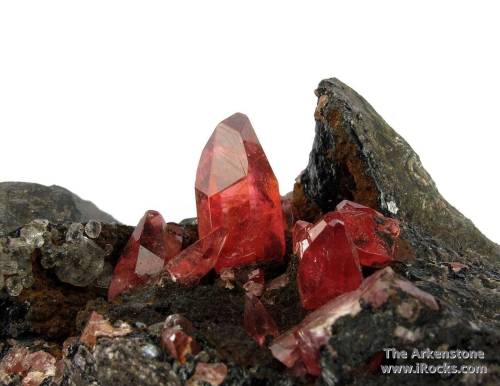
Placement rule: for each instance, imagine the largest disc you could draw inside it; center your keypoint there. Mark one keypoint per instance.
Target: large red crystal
(189, 266)
(328, 265)
(301, 345)
(257, 321)
(236, 189)
(373, 235)
(151, 245)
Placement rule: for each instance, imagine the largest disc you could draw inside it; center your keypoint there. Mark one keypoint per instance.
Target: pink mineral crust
(301, 344)
(193, 263)
(176, 338)
(373, 234)
(98, 326)
(236, 189)
(151, 245)
(257, 321)
(211, 373)
(328, 265)
(33, 368)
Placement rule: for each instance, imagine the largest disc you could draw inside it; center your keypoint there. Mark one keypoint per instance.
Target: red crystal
(176, 338)
(302, 344)
(328, 266)
(211, 373)
(193, 263)
(373, 235)
(257, 321)
(236, 189)
(151, 245)
(299, 237)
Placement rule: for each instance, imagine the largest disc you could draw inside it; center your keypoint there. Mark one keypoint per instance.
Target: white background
(115, 100)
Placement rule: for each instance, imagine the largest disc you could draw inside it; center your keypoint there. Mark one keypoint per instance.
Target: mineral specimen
(236, 189)
(257, 321)
(302, 343)
(329, 264)
(176, 338)
(145, 255)
(34, 368)
(193, 263)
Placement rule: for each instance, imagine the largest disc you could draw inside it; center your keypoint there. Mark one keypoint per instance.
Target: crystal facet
(302, 343)
(373, 235)
(257, 321)
(328, 265)
(236, 189)
(208, 373)
(144, 256)
(193, 263)
(98, 326)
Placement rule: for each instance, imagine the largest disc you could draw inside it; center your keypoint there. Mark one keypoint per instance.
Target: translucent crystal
(14, 285)
(176, 338)
(74, 232)
(257, 321)
(34, 231)
(93, 229)
(236, 189)
(83, 262)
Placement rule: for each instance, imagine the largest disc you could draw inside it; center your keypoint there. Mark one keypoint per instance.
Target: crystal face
(301, 345)
(144, 256)
(328, 265)
(193, 263)
(236, 189)
(373, 235)
(257, 321)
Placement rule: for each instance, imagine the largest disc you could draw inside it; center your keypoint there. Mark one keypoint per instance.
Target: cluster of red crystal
(333, 250)
(34, 368)
(300, 346)
(236, 189)
(176, 338)
(193, 263)
(151, 245)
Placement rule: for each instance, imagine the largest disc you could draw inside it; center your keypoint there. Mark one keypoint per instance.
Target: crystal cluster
(333, 250)
(236, 189)
(300, 346)
(149, 248)
(34, 368)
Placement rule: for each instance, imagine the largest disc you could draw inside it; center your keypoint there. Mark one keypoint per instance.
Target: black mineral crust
(58, 252)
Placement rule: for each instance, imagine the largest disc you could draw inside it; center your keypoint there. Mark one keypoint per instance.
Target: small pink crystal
(193, 263)
(211, 373)
(301, 344)
(255, 282)
(176, 338)
(33, 368)
(257, 321)
(98, 326)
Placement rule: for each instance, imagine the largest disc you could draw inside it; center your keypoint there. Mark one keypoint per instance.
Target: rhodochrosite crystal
(301, 344)
(373, 235)
(328, 265)
(257, 321)
(189, 266)
(236, 189)
(176, 337)
(144, 256)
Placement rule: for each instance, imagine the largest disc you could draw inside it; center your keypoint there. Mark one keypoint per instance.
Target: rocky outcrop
(21, 202)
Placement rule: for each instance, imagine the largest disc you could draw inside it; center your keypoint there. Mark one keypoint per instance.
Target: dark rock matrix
(58, 255)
